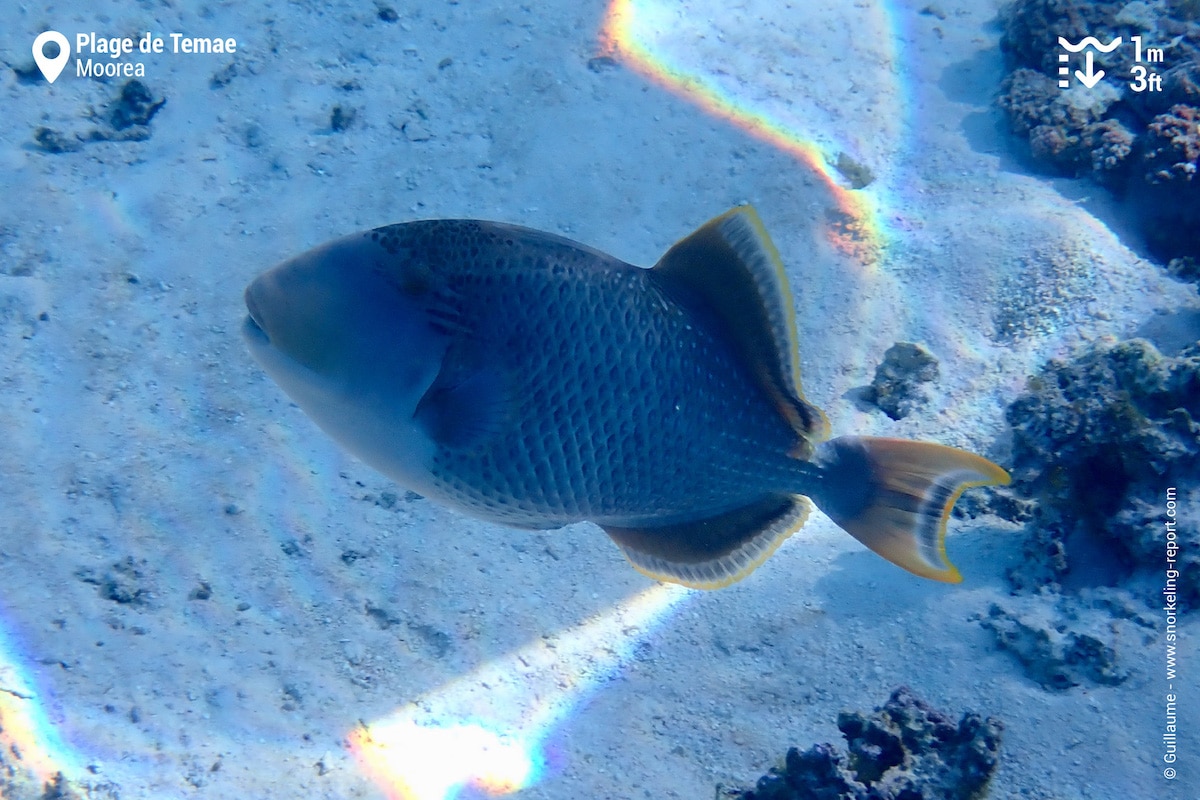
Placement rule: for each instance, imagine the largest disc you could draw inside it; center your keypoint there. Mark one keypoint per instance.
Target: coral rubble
(897, 387)
(1061, 646)
(127, 120)
(904, 751)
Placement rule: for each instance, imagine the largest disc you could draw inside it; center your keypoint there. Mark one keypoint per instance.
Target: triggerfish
(532, 381)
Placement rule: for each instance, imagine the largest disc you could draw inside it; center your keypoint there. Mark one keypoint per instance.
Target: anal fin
(716, 551)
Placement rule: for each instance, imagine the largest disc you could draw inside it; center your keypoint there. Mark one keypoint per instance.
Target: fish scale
(586, 332)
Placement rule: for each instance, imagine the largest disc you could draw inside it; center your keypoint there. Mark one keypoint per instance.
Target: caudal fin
(895, 496)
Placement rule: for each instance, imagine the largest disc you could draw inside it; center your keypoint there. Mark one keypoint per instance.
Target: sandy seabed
(202, 596)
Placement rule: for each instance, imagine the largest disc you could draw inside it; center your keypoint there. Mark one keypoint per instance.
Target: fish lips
(253, 331)
(254, 315)
(271, 325)
(256, 334)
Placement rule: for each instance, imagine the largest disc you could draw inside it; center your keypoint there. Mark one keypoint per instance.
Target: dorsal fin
(730, 264)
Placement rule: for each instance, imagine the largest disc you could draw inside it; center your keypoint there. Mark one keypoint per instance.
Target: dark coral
(1141, 142)
(1181, 86)
(1067, 131)
(1033, 100)
(1169, 191)
(1032, 28)
(1171, 149)
(906, 750)
(1097, 443)
(1109, 144)
(898, 385)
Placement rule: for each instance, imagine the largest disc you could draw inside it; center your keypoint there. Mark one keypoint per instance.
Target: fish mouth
(252, 327)
(253, 332)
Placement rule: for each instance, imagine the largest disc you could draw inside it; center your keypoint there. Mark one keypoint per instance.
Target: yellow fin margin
(731, 266)
(650, 551)
(904, 493)
(748, 216)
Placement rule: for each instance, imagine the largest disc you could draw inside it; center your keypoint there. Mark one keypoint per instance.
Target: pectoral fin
(466, 404)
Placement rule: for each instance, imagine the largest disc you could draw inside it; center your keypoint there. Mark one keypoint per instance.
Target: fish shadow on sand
(859, 587)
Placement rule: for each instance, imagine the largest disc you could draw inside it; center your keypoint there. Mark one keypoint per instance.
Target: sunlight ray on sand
(489, 729)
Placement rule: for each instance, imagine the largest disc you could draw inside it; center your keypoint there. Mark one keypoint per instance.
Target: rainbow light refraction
(486, 730)
(27, 736)
(646, 36)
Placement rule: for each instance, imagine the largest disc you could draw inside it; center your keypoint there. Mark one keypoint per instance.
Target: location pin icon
(51, 67)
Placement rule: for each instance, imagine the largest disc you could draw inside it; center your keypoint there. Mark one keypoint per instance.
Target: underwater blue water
(202, 595)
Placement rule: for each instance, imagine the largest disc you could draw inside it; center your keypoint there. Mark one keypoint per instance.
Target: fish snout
(343, 313)
(295, 310)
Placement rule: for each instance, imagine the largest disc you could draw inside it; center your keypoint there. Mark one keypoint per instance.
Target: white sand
(136, 426)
